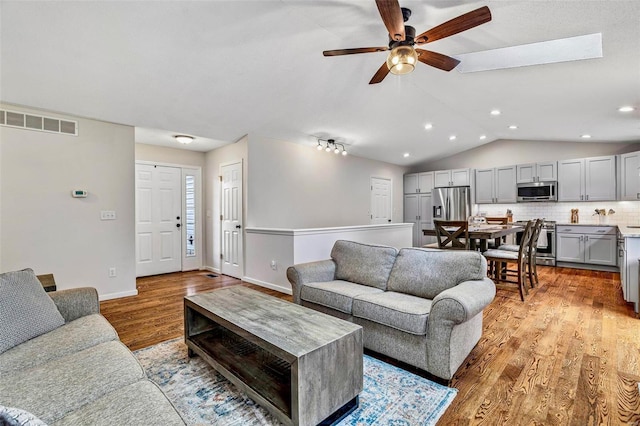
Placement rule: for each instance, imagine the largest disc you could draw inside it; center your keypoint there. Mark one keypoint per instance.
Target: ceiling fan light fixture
(402, 60)
(184, 139)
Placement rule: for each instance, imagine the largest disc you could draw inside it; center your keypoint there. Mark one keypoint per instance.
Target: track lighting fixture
(331, 145)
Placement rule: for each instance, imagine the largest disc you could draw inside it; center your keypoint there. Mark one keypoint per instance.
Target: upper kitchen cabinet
(418, 183)
(587, 179)
(456, 177)
(496, 185)
(537, 172)
(630, 176)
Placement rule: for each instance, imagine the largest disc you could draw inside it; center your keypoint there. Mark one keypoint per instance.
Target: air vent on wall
(38, 122)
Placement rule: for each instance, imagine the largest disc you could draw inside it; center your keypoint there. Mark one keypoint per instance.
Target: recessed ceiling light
(405, 155)
(513, 127)
(184, 139)
(626, 108)
(452, 137)
(585, 136)
(428, 126)
(483, 137)
(495, 112)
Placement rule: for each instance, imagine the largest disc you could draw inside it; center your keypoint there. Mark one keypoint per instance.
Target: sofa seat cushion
(74, 336)
(336, 294)
(427, 273)
(54, 389)
(401, 311)
(26, 311)
(141, 403)
(363, 263)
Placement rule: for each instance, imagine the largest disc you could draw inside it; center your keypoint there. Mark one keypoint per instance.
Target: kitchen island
(629, 263)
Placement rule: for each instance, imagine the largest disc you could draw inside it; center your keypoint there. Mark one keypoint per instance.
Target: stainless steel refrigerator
(451, 203)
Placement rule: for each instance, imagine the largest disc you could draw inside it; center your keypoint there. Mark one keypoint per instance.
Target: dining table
(483, 232)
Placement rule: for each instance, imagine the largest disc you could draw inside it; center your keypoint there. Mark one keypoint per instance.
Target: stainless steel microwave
(537, 191)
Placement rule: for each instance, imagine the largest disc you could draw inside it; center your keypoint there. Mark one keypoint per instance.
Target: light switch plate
(107, 215)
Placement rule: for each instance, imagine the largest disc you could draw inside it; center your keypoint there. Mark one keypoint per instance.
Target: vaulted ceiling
(223, 69)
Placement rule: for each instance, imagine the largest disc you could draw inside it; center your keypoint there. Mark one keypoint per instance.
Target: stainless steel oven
(546, 246)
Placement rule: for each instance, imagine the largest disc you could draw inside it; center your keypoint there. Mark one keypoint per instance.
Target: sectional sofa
(61, 362)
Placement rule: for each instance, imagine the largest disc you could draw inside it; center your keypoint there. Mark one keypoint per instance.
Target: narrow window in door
(190, 210)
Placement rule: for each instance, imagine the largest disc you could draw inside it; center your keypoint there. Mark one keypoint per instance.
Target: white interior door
(231, 220)
(158, 219)
(380, 200)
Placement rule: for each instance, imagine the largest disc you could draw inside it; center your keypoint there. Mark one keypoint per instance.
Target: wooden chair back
(452, 234)
(499, 220)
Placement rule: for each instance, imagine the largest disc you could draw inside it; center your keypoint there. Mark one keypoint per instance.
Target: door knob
(177, 217)
(178, 225)
(238, 226)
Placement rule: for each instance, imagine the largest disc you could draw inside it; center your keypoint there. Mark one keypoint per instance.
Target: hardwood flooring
(568, 355)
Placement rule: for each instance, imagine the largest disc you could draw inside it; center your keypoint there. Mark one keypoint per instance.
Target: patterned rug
(391, 396)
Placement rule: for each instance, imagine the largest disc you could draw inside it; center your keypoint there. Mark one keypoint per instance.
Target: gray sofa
(420, 306)
(78, 373)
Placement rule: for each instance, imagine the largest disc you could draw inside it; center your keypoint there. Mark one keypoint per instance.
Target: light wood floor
(569, 355)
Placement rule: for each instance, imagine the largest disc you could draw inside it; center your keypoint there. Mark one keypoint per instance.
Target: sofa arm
(312, 272)
(462, 302)
(76, 302)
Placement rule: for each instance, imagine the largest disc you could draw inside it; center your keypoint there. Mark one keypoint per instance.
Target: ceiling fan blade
(456, 25)
(392, 17)
(437, 60)
(339, 52)
(380, 74)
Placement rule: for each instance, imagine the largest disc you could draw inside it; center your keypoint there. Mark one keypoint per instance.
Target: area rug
(391, 396)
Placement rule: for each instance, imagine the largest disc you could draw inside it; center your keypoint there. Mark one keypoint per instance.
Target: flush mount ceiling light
(428, 126)
(626, 108)
(495, 112)
(585, 136)
(331, 145)
(406, 154)
(452, 137)
(184, 139)
(513, 127)
(483, 137)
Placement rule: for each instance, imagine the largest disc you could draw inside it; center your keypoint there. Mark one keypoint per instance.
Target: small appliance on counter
(574, 216)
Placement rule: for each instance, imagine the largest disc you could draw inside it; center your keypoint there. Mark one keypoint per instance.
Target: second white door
(380, 200)
(231, 220)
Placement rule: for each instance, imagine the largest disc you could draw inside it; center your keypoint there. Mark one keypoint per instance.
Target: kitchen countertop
(624, 229)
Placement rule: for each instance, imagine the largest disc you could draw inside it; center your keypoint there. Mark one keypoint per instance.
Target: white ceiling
(222, 69)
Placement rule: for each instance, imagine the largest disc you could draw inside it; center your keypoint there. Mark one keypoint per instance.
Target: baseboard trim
(211, 269)
(119, 295)
(265, 284)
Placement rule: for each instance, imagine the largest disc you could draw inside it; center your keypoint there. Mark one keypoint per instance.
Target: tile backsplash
(626, 212)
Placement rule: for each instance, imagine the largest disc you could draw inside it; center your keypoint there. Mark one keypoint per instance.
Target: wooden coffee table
(305, 367)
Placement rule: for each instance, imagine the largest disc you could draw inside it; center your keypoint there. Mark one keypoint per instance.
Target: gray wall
(296, 186)
(44, 228)
(508, 152)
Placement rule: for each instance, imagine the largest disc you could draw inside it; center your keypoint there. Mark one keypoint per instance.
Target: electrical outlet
(107, 215)
(112, 272)
(274, 265)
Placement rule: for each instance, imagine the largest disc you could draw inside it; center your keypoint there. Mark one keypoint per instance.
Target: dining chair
(452, 234)
(532, 249)
(496, 220)
(499, 261)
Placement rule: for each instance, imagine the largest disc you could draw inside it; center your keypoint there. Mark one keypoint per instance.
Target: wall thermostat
(79, 193)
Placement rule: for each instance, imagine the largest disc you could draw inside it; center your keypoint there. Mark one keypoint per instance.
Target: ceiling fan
(402, 38)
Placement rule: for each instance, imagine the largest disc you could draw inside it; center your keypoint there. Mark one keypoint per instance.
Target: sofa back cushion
(426, 273)
(363, 263)
(26, 311)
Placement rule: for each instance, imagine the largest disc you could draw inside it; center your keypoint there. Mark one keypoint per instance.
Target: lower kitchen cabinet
(593, 245)
(417, 210)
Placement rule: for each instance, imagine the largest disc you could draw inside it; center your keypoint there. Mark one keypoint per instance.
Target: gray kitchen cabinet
(418, 210)
(593, 245)
(629, 256)
(587, 179)
(496, 185)
(417, 183)
(455, 177)
(630, 176)
(537, 172)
